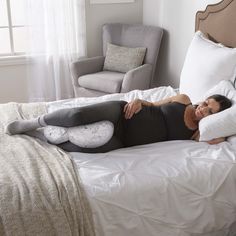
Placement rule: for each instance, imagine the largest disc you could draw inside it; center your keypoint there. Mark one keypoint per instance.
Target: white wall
(13, 85)
(99, 14)
(178, 19)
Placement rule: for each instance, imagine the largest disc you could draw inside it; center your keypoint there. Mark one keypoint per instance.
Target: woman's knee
(75, 116)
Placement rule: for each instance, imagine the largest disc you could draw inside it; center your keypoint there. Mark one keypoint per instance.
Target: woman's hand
(196, 137)
(132, 108)
(216, 140)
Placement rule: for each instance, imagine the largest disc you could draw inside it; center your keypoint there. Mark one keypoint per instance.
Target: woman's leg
(70, 117)
(111, 111)
(112, 144)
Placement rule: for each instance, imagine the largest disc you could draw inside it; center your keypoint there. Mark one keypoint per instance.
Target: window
(12, 27)
(109, 1)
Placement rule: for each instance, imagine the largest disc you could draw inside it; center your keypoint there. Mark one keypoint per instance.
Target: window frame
(110, 1)
(13, 57)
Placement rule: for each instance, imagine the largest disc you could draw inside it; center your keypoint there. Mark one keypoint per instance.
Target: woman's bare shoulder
(182, 98)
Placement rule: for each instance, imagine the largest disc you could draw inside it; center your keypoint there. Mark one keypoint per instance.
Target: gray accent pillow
(123, 59)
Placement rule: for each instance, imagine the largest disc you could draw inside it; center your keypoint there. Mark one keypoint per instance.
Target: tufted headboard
(218, 22)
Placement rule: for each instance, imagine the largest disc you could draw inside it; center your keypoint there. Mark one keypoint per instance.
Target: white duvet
(177, 188)
(165, 189)
(154, 94)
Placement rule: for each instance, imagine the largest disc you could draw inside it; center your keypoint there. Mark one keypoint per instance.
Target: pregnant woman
(134, 123)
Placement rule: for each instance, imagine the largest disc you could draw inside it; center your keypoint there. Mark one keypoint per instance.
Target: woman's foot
(22, 126)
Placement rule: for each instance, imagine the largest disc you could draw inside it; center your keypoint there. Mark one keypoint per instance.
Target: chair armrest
(138, 78)
(86, 66)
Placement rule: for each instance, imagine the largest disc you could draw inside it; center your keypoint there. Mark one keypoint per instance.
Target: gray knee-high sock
(22, 126)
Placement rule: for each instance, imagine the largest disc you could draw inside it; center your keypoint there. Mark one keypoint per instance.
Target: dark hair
(223, 101)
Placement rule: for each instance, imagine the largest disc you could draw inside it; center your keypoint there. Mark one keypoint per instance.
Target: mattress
(171, 188)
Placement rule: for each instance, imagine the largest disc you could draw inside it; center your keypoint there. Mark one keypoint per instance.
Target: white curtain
(57, 36)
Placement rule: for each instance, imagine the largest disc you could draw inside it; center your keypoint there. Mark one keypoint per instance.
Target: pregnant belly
(147, 126)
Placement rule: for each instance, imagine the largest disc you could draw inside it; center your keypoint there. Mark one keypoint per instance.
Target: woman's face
(206, 108)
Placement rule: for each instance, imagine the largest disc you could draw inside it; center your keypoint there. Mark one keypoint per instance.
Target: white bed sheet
(177, 188)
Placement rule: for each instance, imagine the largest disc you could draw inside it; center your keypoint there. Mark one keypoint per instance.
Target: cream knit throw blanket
(40, 190)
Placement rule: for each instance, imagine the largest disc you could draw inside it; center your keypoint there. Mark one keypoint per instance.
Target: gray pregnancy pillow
(123, 59)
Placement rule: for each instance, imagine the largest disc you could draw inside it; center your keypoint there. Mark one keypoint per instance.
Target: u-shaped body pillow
(86, 136)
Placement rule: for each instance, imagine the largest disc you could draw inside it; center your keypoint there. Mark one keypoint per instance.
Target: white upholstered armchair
(91, 77)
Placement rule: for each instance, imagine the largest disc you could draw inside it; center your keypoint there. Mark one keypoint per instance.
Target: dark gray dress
(152, 124)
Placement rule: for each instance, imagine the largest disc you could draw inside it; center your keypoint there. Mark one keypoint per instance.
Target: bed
(183, 188)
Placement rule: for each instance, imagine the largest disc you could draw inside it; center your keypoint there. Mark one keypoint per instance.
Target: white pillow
(224, 87)
(206, 64)
(222, 124)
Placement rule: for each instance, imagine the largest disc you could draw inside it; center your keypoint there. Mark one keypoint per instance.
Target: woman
(135, 123)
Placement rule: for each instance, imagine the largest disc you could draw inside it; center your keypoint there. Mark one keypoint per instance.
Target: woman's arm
(181, 98)
(135, 106)
(216, 140)
(196, 137)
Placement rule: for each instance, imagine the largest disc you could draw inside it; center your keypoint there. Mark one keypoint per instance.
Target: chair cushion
(104, 81)
(123, 59)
